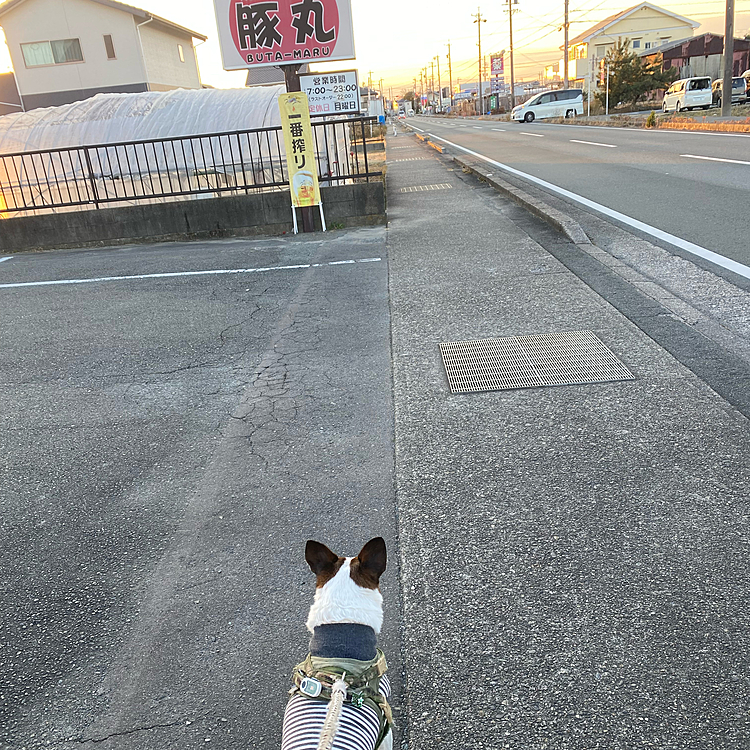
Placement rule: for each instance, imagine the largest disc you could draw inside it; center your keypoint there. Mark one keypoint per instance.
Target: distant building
(701, 56)
(67, 50)
(271, 76)
(645, 25)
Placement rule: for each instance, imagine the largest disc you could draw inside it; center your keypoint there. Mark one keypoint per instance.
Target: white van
(562, 103)
(688, 93)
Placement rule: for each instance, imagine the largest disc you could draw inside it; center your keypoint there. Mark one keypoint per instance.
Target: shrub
(651, 120)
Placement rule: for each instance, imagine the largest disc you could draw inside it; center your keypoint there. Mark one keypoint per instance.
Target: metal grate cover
(420, 188)
(529, 361)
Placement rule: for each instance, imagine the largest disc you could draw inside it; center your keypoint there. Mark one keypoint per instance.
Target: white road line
(690, 247)
(416, 128)
(477, 127)
(7, 257)
(593, 143)
(715, 158)
(499, 130)
(217, 272)
(536, 135)
(463, 126)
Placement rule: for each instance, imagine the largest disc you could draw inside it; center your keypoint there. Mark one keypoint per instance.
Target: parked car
(688, 93)
(562, 103)
(746, 76)
(401, 116)
(739, 90)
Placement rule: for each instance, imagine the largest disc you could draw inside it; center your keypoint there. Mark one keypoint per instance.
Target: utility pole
(432, 78)
(726, 85)
(565, 79)
(512, 50)
(440, 86)
(450, 75)
(478, 20)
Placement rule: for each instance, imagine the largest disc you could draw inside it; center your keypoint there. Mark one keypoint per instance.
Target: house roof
(607, 22)
(696, 46)
(136, 12)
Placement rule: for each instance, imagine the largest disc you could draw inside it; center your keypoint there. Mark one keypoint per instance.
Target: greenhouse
(155, 146)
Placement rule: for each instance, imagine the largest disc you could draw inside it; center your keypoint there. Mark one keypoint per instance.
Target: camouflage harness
(314, 678)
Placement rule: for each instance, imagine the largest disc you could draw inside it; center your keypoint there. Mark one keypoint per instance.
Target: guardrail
(162, 169)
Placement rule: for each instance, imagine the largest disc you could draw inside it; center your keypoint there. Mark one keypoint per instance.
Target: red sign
(278, 32)
(498, 65)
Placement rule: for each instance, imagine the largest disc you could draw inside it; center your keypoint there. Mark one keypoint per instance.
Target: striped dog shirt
(359, 728)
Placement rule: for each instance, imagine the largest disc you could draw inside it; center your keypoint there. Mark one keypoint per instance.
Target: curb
(563, 223)
(569, 227)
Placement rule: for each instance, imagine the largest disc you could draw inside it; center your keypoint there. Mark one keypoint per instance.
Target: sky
(395, 39)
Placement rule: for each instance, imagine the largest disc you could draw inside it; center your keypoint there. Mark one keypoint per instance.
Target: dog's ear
(320, 559)
(369, 564)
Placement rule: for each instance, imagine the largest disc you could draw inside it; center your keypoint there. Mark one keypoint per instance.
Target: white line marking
(499, 130)
(7, 257)
(216, 272)
(593, 143)
(691, 247)
(477, 127)
(715, 158)
(463, 126)
(536, 135)
(416, 128)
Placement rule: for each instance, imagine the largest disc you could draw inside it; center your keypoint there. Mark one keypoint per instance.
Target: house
(645, 25)
(701, 56)
(67, 50)
(270, 76)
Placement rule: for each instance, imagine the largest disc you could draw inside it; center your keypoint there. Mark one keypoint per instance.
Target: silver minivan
(561, 103)
(688, 93)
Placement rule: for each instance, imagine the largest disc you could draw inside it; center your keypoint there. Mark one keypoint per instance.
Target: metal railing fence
(169, 168)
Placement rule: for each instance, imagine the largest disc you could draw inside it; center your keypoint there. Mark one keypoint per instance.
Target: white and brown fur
(347, 591)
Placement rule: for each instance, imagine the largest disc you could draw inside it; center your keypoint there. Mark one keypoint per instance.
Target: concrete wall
(266, 213)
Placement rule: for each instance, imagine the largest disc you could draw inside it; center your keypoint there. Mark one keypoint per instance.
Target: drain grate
(568, 358)
(420, 188)
(410, 158)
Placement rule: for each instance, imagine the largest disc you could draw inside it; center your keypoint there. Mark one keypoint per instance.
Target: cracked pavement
(566, 565)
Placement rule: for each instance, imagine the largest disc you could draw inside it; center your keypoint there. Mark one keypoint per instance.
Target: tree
(632, 77)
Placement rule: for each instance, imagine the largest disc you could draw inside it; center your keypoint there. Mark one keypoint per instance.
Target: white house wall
(163, 65)
(43, 20)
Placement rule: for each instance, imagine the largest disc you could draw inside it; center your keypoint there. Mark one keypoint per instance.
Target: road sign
(300, 152)
(260, 33)
(498, 65)
(332, 93)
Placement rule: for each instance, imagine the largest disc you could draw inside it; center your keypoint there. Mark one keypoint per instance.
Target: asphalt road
(692, 185)
(167, 444)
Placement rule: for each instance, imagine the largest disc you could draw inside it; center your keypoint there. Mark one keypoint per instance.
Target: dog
(345, 620)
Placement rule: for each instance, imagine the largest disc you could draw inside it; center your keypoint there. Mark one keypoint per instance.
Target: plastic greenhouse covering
(113, 118)
(107, 149)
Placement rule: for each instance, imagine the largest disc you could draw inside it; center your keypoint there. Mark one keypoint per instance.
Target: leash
(331, 723)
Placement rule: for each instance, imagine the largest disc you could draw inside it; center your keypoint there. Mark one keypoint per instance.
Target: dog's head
(347, 588)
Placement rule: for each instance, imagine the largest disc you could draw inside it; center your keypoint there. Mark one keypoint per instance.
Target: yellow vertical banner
(300, 149)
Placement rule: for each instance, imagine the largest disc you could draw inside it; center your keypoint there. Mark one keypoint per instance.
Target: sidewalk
(573, 558)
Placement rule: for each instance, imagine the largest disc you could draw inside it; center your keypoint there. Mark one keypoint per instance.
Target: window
(636, 43)
(546, 98)
(601, 50)
(109, 46)
(180, 53)
(57, 52)
(648, 45)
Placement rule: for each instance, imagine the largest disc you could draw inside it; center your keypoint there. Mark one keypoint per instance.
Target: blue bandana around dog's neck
(344, 641)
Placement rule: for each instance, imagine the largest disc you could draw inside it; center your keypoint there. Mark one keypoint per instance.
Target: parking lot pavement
(573, 558)
(170, 440)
